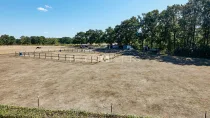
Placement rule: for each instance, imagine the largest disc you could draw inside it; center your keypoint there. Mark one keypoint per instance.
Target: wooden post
(45, 56)
(65, 57)
(38, 101)
(24, 54)
(15, 53)
(28, 54)
(91, 59)
(206, 114)
(39, 55)
(74, 58)
(97, 59)
(70, 58)
(51, 55)
(34, 54)
(58, 56)
(111, 108)
(104, 58)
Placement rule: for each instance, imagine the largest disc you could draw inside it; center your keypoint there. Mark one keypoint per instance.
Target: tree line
(179, 29)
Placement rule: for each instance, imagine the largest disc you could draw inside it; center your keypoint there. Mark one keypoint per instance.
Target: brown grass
(139, 87)
(13, 49)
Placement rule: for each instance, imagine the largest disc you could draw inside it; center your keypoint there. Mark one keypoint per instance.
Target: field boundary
(69, 57)
(19, 112)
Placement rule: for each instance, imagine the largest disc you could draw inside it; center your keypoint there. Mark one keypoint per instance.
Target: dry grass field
(12, 49)
(144, 87)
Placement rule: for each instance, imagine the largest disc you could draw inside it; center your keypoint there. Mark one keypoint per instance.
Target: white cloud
(47, 6)
(42, 9)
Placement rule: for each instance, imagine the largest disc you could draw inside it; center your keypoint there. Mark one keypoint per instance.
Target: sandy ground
(133, 86)
(13, 49)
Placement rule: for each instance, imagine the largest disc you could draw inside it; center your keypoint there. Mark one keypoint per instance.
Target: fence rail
(70, 50)
(68, 57)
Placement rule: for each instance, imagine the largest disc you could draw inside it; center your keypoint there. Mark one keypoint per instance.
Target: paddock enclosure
(70, 55)
(143, 87)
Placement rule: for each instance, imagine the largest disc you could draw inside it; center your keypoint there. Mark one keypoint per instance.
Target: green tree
(7, 40)
(126, 32)
(109, 36)
(80, 38)
(25, 40)
(151, 22)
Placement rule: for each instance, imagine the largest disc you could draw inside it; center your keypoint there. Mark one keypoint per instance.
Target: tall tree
(80, 38)
(151, 23)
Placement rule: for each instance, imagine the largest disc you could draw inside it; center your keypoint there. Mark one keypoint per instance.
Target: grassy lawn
(20, 112)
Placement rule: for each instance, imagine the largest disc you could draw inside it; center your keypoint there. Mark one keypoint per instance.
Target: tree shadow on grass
(161, 58)
(176, 60)
(104, 50)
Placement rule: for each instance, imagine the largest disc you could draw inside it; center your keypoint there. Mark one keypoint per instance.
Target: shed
(127, 47)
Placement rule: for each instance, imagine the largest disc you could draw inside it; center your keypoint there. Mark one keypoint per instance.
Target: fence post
(34, 54)
(39, 55)
(51, 55)
(38, 101)
(111, 108)
(15, 53)
(45, 55)
(74, 58)
(91, 59)
(97, 59)
(205, 114)
(28, 54)
(70, 58)
(58, 56)
(104, 58)
(24, 54)
(65, 57)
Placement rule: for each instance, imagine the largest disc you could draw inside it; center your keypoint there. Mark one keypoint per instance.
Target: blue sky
(59, 18)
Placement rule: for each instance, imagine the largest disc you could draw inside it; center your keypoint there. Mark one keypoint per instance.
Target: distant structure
(127, 47)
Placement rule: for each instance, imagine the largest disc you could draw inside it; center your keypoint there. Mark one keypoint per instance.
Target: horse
(38, 47)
